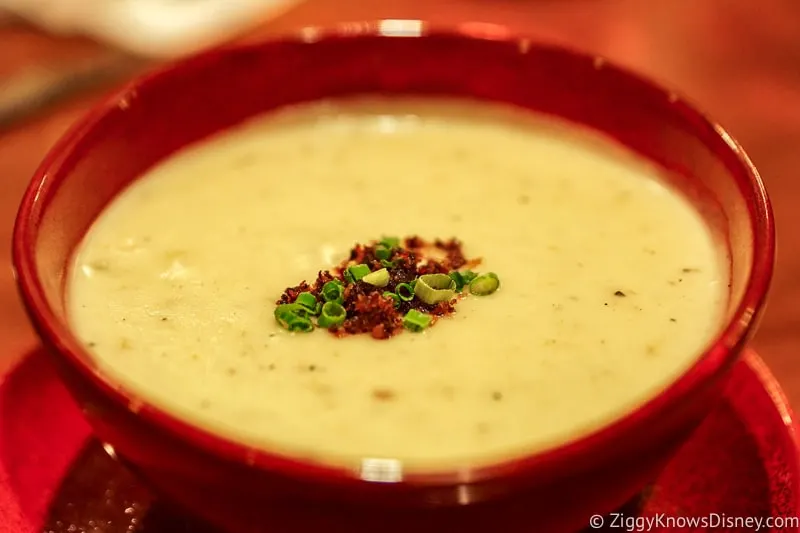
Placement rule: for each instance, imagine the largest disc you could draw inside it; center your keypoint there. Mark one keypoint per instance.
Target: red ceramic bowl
(182, 103)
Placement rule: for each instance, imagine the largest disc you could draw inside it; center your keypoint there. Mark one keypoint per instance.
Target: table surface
(737, 59)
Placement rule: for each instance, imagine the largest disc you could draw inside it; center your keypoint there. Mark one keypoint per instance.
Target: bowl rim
(720, 354)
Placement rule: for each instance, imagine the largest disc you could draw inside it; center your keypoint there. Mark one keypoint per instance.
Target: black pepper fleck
(91, 344)
(383, 395)
(271, 366)
(312, 368)
(620, 294)
(673, 319)
(690, 270)
(164, 319)
(231, 371)
(497, 396)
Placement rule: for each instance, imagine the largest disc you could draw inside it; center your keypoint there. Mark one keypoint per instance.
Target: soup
(610, 282)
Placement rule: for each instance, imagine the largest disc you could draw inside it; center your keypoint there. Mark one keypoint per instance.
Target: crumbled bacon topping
(368, 310)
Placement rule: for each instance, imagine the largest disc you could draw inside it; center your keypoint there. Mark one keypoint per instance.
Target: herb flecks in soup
(174, 287)
(384, 287)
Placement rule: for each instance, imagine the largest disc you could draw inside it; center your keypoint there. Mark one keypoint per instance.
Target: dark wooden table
(738, 59)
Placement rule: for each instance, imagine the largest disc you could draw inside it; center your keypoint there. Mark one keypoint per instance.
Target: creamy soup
(611, 284)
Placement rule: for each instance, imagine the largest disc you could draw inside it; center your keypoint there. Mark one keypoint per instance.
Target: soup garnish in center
(383, 287)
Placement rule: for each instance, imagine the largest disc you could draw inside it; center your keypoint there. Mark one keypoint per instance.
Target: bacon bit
(368, 311)
(454, 255)
(414, 243)
(290, 295)
(379, 332)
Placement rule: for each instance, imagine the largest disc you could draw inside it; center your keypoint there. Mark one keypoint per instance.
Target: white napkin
(157, 28)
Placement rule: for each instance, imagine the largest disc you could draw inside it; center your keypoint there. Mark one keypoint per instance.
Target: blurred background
(739, 60)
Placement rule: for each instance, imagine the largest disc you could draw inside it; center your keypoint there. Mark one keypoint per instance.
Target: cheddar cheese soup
(609, 283)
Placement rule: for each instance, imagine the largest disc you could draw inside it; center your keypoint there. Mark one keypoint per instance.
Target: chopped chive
(379, 278)
(468, 276)
(307, 300)
(293, 317)
(405, 291)
(300, 324)
(348, 277)
(484, 284)
(387, 264)
(383, 253)
(458, 279)
(390, 242)
(358, 271)
(332, 314)
(395, 298)
(435, 288)
(284, 311)
(416, 321)
(332, 291)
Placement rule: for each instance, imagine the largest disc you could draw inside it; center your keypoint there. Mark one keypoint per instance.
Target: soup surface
(610, 282)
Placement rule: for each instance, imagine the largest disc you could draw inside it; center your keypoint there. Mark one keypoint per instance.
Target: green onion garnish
(286, 310)
(458, 279)
(387, 264)
(395, 298)
(435, 288)
(484, 284)
(416, 321)
(468, 276)
(294, 317)
(379, 278)
(332, 314)
(358, 271)
(307, 300)
(332, 291)
(462, 278)
(383, 253)
(300, 324)
(390, 242)
(405, 291)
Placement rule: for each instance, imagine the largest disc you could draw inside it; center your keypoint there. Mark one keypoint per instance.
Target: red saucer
(742, 462)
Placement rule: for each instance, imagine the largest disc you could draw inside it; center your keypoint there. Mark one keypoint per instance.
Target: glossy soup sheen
(610, 282)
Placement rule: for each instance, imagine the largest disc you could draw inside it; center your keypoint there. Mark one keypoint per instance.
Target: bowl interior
(162, 113)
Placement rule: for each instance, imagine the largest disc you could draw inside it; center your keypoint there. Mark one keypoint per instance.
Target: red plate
(741, 464)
